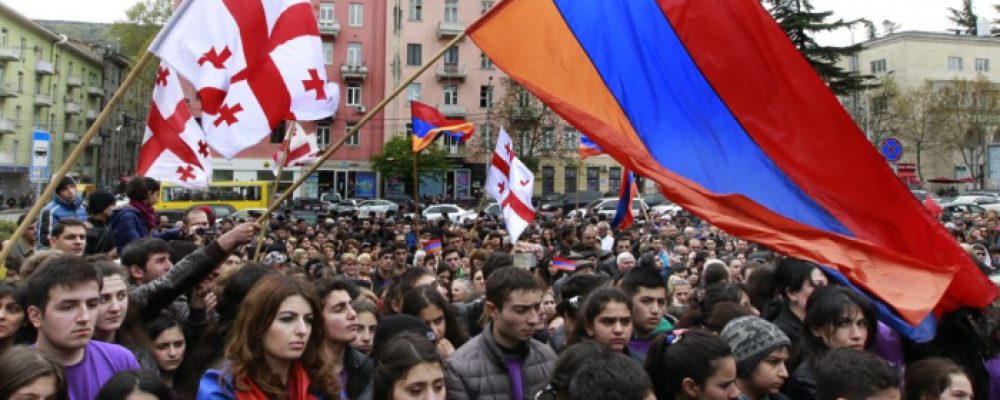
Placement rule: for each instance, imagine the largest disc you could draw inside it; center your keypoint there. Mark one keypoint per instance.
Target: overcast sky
(931, 15)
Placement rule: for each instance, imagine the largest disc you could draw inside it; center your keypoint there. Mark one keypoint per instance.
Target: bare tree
(880, 116)
(968, 112)
(916, 122)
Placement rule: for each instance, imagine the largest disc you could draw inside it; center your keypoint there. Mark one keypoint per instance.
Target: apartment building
(50, 89)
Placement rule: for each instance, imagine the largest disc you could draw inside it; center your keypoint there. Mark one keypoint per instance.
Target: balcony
(91, 115)
(329, 27)
(10, 54)
(95, 91)
(522, 113)
(451, 72)
(43, 100)
(72, 107)
(353, 71)
(7, 125)
(96, 141)
(71, 137)
(8, 90)
(452, 110)
(74, 81)
(43, 67)
(450, 29)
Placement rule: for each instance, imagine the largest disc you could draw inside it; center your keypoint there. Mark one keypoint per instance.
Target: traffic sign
(891, 149)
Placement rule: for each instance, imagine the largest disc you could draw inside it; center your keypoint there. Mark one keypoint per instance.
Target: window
(17, 116)
(278, 134)
(328, 53)
(326, 17)
(416, 10)
(323, 135)
(356, 14)
(571, 139)
(451, 56)
(452, 144)
(486, 96)
(354, 53)
(878, 66)
(353, 94)
(450, 10)
(614, 178)
(523, 98)
(355, 139)
(413, 54)
(569, 178)
(954, 63)
(450, 95)
(548, 139)
(413, 92)
(982, 65)
(20, 82)
(4, 37)
(409, 128)
(487, 5)
(485, 62)
(593, 179)
(548, 179)
(880, 104)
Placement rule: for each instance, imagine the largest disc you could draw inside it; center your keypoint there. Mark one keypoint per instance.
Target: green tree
(965, 18)
(396, 159)
(800, 21)
(143, 20)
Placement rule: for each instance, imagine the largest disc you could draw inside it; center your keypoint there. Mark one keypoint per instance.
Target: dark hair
(596, 301)
(160, 324)
(494, 262)
(824, 310)
(422, 297)
(124, 383)
(790, 274)
(929, 377)
(641, 278)
(714, 294)
(61, 226)
(20, 366)
(571, 359)
(325, 286)
(402, 353)
(408, 280)
(139, 188)
(696, 349)
(715, 273)
(507, 280)
(137, 253)
(853, 374)
(577, 286)
(65, 271)
(610, 376)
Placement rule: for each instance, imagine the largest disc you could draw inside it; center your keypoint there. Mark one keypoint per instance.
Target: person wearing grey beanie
(760, 349)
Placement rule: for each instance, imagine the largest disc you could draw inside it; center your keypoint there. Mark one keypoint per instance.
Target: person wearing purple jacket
(62, 299)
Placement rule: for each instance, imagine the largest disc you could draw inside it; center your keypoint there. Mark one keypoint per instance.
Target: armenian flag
(428, 123)
(588, 148)
(626, 192)
(432, 246)
(563, 264)
(710, 100)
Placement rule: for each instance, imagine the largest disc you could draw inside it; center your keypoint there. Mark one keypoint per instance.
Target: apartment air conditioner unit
(360, 109)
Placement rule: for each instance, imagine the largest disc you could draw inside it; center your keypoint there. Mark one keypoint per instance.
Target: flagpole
(361, 123)
(282, 159)
(487, 164)
(54, 180)
(416, 195)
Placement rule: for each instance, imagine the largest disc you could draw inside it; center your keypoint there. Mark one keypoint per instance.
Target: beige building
(909, 59)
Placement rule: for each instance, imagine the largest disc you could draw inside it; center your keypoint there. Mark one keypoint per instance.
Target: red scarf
(298, 386)
(146, 212)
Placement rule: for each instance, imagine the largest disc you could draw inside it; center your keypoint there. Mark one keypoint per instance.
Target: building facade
(49, 86)
(909, 60)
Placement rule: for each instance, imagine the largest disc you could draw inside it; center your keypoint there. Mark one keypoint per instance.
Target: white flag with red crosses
(303, 148)
(511, 183)
(254, 64)
(174, 148)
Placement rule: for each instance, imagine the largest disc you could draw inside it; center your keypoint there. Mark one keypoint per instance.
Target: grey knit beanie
(752, 339)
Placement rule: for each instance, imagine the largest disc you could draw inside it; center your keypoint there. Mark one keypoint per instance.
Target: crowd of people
(106, 301)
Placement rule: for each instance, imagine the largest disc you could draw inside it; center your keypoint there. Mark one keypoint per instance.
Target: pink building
(353, 34)
(463, 84)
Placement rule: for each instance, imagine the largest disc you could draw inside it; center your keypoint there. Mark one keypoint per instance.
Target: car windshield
(966, 199)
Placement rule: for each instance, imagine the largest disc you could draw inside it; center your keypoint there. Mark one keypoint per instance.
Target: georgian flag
(517, 210)
(497, 181)
(254, 64)
(174, 148)
(303, 148)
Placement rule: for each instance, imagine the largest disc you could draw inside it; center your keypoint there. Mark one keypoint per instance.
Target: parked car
(492, 209)
(987, 202)
(609, 206)
(248, 214)
(311, 204)
(404, 201)
(454, 213)
(219, 211)
(573, 201)
(654, 199)
(953, 209)
(345, 207)
(662, 208)
(369, 208)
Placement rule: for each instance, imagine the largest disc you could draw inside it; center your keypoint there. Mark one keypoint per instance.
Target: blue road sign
(891, 149)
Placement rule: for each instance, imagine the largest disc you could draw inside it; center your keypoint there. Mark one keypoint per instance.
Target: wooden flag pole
(364, 120)
(282, 160)
(54, 180)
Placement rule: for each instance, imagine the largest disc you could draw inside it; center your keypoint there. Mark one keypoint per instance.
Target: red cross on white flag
(174, 148)
(254, 63)
(511, 183)
(303, 148)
